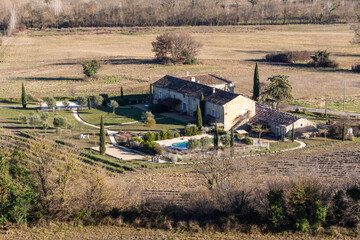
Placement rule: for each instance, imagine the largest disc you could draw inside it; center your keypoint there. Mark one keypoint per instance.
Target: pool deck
(169, 142)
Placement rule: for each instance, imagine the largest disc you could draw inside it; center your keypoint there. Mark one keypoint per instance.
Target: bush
(191, 130)
(288, 57)
(90, 68)
(322, 59)
(177, 135)
(149, 137)
(205, 142)
(356, 68)
(193, 144)
(146, 115)
(150, 122)
(170, 134)
(248, 141)
(157, 108)
(225, 140)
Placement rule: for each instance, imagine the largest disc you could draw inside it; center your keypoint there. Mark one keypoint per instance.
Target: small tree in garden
(232, 138)
(59, 122)
(279, 89)
(150, 122)
(216, 137)
(51, 103)
(44, 116)
(256, 87)
(199, 122)
(225, 140)
(202, 105)
(122, 93)
(102, 137)
(98, 100)
(66, 104)
(146, 115)
(90, 68)
(205, 142)
(259, 129)
(82, 101)
(34, 120)
(23, 96)
(293, 133)
(114, 104)
(89, 103)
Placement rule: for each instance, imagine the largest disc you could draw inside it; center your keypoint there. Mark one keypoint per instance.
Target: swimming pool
(180, 144)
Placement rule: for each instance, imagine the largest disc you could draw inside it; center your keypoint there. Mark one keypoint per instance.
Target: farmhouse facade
(221, 103)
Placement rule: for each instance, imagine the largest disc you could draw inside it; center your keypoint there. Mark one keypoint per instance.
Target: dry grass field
(49, 62)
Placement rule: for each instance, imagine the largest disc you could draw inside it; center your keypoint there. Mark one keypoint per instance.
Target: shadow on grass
(130, 61)
(53, 79)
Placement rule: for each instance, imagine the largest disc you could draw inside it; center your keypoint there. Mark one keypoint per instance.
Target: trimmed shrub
(150, 136)
(288, 57)
(205, 142)
(193, 144)
(191, 130)
(225, 140)
(248, 141)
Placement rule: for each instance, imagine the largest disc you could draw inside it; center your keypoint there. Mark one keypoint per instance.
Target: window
(184, 107)
(213, 113)
(160, 95)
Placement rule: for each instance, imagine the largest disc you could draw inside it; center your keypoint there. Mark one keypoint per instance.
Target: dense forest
(94, 13)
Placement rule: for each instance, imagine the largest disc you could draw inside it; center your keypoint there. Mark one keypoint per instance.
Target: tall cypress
(232, 140)
(293, 133)
(202, 105)
(216, 137)
(343, 132)
(89, 103)
(256, 88)
(102, 137)
(199, 117)
(122, 92)
(23, 96)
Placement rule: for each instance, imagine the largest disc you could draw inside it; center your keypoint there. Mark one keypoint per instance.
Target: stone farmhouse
(222, 105)
(281, 123)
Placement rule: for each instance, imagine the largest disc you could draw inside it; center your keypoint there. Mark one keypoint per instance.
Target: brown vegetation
(76, 13)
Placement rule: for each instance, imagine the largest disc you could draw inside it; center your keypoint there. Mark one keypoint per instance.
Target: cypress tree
(23, 96)
(199, 117)
(102, 137)
(256, 89)
(89, 103)
(122, 92)
(293, 133)
(232, 138)
(202, 105)
(343, 132)
(216, 137)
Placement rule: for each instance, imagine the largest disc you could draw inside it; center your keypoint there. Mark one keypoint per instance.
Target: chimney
(193, 79)
(214, 90)
(187, 73)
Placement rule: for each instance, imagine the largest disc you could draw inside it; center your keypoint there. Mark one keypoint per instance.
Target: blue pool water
(180, 144)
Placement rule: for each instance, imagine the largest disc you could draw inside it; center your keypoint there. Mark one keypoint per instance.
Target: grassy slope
(50, 64)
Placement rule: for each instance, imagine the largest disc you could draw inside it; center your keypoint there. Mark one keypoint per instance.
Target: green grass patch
(349, 106)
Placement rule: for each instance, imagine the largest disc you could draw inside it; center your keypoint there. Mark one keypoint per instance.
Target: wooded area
(106, 13)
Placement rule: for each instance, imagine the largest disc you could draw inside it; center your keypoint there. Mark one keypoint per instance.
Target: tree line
(81, 13)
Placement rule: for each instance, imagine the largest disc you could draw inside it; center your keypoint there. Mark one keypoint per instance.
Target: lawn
(122, 115)
(50, 65)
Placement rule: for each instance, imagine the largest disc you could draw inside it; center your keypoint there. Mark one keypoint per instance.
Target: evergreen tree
(216, 137)
(343, 132)
(23, 96)
(256, 87)
(232, 140)
(122, 92)
(89, 103)
(199, 117)
(102, 137)
(293, 133)
(202, 105)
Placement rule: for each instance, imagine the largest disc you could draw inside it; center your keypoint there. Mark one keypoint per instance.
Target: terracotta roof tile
(270, 115)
